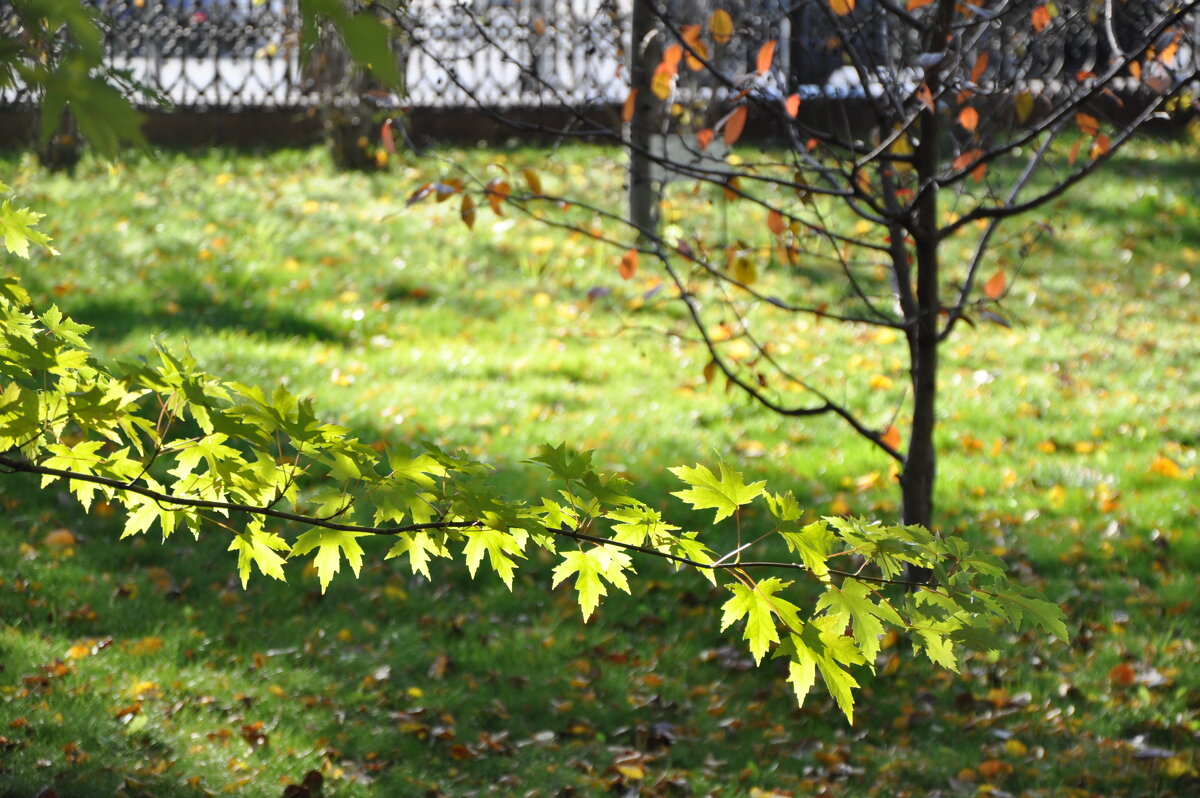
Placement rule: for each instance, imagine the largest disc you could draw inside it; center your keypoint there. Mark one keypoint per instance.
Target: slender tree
(891, 132)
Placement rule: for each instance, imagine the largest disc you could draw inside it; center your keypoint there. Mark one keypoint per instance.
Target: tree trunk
(919, 474)
(643, 58)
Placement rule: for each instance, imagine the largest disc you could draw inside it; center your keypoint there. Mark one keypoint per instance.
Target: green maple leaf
(686, 545)
(1021, 606)
(328, 560)
(852, 603)
(592, 568)
(759, 605)
(420, 548)
(821, 647)
(724, 495)
(567, 464)
(498, 546)
(257, 547)
(16, 228)
(638, 523)
(814, 543)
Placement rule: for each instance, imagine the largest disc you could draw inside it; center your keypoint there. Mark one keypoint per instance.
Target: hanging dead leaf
(671, 58)
(913, 5)
(627, 108)
(467, 212)
(994, 288)
(662, 82)
(532, 180)
(1073, 155)
(385, 135)
(1088, 124)
(720, 26)
(967, 158)
(704, 138)
(1040, 18)
(735, 123)
(497, 191)
(1100, 146)
(628, 266)
(420, 194)
(792, 105)
(695, 49)
(891, 438)
(775, 222)
(732, 189)
(981, 64)
(968, 118)
(1167, 56)
(841, 7)
(447, 189)
(1023, 105)
(1135, 71)
(766, 55)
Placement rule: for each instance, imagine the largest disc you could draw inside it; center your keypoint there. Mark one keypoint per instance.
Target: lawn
(1069, 448)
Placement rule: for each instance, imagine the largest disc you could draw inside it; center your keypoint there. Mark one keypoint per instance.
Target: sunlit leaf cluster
(179, 449)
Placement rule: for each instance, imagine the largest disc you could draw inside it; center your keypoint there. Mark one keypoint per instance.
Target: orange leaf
(766, 55)
(420, 194)
(627, 108)
(966, 159)
(693, 61)
(1162, 466)
(891, 438)
(979, 172)
(792, 105)
(994, 288)
(913, 5)
(662, 82)
(1074, 153)
(1040, 18)
(1100, 146)
(980, 67)
(969, 118)
(691, 37)
(385, 134)
(993, 769)
(497, 191)
(735, 123)
(720, 26)
(628, 265)
(468, 211)
(1088, 125)
(1135, 70)
(1122, 675)
(776, 223)
(671, 57)
(1167, 56)
(841, 7)
(704, 138)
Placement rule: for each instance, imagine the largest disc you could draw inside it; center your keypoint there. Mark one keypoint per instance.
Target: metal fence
(240, 54)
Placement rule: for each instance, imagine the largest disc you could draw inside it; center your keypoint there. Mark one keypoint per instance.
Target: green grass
(404, 324)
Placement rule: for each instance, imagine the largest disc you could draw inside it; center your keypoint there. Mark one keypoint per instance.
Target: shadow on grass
(192, 310)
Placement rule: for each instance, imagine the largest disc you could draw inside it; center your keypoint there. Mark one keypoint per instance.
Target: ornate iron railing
(231, 54)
